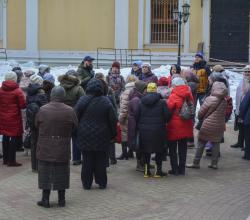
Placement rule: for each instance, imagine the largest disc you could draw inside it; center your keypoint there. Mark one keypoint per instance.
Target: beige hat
(218, 68)
(247, 68)
(11, 76)
(35, 79)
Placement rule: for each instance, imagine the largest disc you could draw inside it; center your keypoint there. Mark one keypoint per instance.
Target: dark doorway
(229, 30)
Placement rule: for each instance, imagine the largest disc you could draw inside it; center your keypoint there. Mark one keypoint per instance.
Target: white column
(140, 24)
(206, 25)
(148, 22)
(32, 26)
(4, 23)
(187, 33)
(122, 24)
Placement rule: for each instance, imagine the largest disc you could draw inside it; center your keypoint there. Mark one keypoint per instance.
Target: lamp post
(181, 16)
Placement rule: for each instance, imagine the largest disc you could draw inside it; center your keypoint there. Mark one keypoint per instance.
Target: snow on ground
(5, 66)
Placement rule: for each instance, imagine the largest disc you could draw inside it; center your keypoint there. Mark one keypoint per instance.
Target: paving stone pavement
(204, 194)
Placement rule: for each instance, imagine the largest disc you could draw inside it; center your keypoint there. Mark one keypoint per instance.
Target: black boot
(158, 172)
(61, 198)
(45, 199)
(124, 155)
(235, 145)
(130, 153)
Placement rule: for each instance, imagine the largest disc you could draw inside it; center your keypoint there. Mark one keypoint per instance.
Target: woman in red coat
(178, 129)
(12, 100)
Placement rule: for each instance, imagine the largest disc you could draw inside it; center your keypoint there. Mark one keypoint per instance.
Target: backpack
(31, 111)
(187, 110)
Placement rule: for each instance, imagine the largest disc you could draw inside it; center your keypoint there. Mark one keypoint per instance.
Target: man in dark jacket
(85, 71)
(152, 117)
(55, 122)
(97, 127)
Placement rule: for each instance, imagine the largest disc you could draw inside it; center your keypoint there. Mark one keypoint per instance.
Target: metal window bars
(164, 30)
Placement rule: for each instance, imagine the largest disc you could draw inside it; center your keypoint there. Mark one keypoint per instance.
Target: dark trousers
(158, 158)
(178, 166)
(94, 165)
(241, 135)
(110, 155)
(247, 141)
(10, 145)
(34, 138)
(75, 150)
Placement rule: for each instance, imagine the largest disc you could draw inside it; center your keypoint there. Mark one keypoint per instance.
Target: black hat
(88, 58)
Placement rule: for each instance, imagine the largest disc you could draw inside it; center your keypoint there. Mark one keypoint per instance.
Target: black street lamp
(181, 17)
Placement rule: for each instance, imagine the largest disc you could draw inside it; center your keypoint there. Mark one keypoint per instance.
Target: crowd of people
(91, 112)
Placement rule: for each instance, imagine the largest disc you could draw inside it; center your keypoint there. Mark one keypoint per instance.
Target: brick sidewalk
(202, 194)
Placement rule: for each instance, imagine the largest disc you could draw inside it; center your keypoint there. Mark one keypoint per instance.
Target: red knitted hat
(163, 81)
(116, 64)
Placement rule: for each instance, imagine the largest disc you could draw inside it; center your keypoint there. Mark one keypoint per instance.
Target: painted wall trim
(122, 24)
(32, 25)
(206, 26)
(141, 24)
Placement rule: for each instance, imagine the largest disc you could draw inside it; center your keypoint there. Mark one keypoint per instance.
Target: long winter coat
(149, 78)
(12, 100)
(152, 117)
(123, 115)
(97, 119)
(55, 122)
(245, 109)
(133, 107)
(213, 126)
(178, 128)
(72, 88)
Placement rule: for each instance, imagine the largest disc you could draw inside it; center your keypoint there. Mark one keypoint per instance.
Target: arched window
(164, 30)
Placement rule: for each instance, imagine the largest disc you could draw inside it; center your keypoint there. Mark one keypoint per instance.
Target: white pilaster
(148, 22)
(32, 26)
(4, 22)
(187, 33)
(121, 24)
(140, 24)
(206, 25)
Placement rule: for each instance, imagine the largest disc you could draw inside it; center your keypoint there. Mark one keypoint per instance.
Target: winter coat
(12, 100)
(241, 91)
(47, 87)
(192, 82)
(152, 117)
(25, 81)
(72, 88)
(245, 109)
(202, 72)
(117, 83)
(133, 107)
(213, 126)
(97, 119)
(137, 73)
(123, 114)
(55, 132)
(149, 78)
(84, 75)
(179, 128)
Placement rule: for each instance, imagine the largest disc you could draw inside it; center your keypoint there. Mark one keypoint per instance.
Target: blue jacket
(245, 109)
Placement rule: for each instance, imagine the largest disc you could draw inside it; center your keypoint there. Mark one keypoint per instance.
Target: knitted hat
(131, 78)
(178, 81)
(247, 68)
(218, 68)
(99, 76)
(29, 73)
(11, 76)
(152, 87)
(116, 64)
(137, 63)
(163, 81)
(35, 79)
(71, 72)
(58, 94)
(43, 68)
(140, 86)
(146, 65)
(49, 78)
(199, 55)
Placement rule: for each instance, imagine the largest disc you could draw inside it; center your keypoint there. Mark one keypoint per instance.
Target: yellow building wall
(76, 24)
(133, 23)
(196, 14)
(16, 24)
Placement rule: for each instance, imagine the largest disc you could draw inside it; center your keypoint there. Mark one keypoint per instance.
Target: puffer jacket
(85, 75)
(214, 106)
(72, 88)
(202, 72)
(179, 128)
(12, 100)
(149, 78)
(123, 114)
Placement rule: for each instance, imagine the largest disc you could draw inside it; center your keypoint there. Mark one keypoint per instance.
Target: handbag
(200, 122)
(118, 138)
(187, 110)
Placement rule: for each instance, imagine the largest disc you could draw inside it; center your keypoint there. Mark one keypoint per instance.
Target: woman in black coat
(152, 117)
(97, 127)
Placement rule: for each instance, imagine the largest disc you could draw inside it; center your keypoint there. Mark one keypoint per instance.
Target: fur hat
(49, 78)
(35, 79)
(72, 72)
(140, 86)
(10, 76)
(99, 76)
(178, 81)
(58, 94)
(116, 64)
(152, 87)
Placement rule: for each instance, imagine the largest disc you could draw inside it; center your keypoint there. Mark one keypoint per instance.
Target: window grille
(164, 30)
